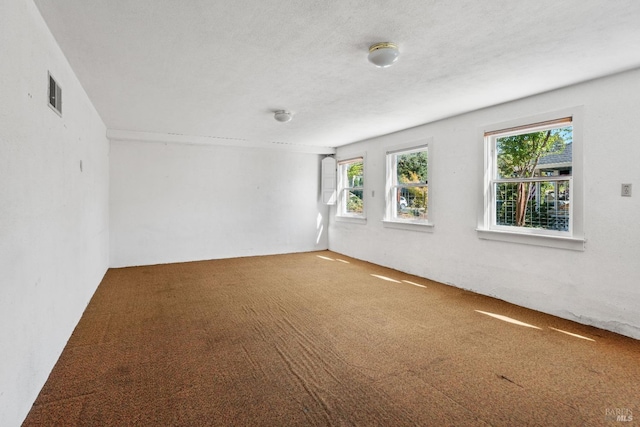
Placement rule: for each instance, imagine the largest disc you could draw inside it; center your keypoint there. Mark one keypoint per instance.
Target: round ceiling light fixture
(383, 54)
(282, 116)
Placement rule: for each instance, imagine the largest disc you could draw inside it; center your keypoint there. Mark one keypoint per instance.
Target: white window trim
(573, 240)
(351, 219)
(343, 216)
(411, 226)
(389, 221)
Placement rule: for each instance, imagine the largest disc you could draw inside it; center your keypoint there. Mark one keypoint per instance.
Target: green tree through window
(409, 187)
(518, 159)
(351, 188)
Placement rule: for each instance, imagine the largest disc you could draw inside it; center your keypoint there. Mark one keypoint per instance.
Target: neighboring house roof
(557, 159)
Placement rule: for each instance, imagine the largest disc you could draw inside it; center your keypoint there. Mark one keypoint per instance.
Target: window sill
(351, 219)
(559, 242)
(412, 226)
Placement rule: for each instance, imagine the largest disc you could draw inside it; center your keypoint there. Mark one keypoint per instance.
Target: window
(55, 95)
(408, 185)
(530, 186)
(351, 188)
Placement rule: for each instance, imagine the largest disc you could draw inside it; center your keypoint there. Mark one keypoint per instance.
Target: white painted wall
(53, 215)
(177, 202)
(599, 286)
(171, 202)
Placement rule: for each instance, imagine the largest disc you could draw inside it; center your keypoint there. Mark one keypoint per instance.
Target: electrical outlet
(626, 190)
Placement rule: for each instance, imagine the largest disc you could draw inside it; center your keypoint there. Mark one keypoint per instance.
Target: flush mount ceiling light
(282, 116)
(383, 54)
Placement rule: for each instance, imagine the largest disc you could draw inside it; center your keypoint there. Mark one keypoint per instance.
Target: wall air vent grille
(55, 95)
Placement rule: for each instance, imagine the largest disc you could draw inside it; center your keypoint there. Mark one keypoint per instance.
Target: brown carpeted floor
(322, 339)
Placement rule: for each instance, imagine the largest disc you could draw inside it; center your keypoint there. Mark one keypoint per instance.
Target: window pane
(350, 186)
(411, 167)
(355, 174)
(542, 205)
(411, 202)
(542, 153)
(354, 202)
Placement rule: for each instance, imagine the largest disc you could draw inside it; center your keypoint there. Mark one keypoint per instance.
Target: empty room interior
(326, 213)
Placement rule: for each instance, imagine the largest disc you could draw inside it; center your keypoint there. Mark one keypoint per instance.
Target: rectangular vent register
(55, 95)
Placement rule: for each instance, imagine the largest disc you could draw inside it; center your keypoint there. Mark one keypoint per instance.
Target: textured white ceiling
(216, 70)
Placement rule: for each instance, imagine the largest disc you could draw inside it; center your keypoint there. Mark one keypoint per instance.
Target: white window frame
(391, 219)
(488, 229)
(344, 188)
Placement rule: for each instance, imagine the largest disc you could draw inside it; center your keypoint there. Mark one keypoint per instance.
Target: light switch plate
(626, 190)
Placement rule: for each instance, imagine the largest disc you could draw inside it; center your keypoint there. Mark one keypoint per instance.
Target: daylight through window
(531, 177)
(408, 187)
(351, 187)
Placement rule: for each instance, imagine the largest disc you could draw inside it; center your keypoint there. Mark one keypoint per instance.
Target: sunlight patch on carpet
(571, 334)
(414, 284)
(388, 279)
(507, 319)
